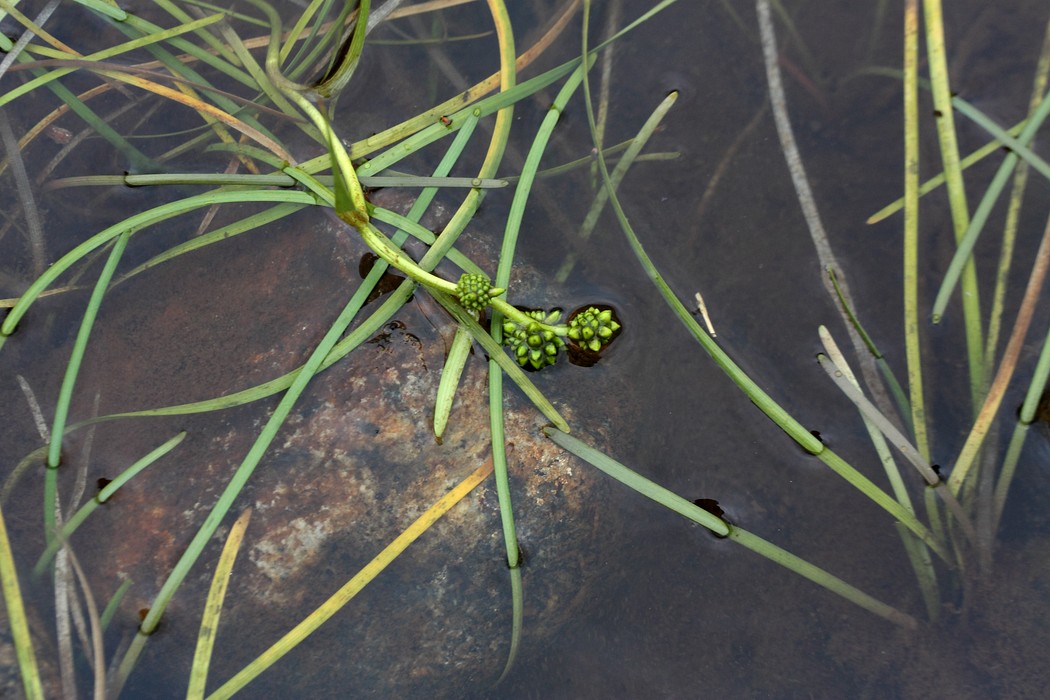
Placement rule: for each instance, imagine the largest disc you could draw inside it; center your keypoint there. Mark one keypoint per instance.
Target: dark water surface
(687, 615)
(664, 609)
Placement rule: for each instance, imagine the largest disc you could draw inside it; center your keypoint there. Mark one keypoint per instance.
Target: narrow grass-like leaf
(352, 587)
(812, 66)
(215, 49)
(899, 440)
(315, 8)
(104, 494)
(288, 178)
(918, 554)
(136, 159)
(968, 240)
(674, 502)
(505, 97)
(218, 57)
(163, 179)
(913, 356)
(760, 398)
(433, 128)
(51, 504)
(34, 228)
(16, 618)
(1017, 146)
(1012, 223)
(247, 150)
(991, 148)
(131, 225)
(109, 9)
(878, 438)
(159, 34)
(213, 607)
(330, 195)
(517, 598)
(1037, 385)
(871, 413)
(990, 407)
(637, 482)
(867, 487)
(925, 573)
(203, 108)
(321, 42)
(14, 48)
(502, 279)
(938, 66)
(896, 391)
(114, 603)
(450, 374)
(945, 121)
(609, 152)
(65, 394)
(427, 127)
(247, 224)
(508, 78)
(185, 78)
(601, 198)
(1013, 211)
(30, 461)
(718, 526)
(508, 365)
(339, 77)
(820, 577)
(98, 56)
(260, 77)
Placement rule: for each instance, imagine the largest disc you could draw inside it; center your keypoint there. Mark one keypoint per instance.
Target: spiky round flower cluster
(533, 344)
(592, 328)
(475, 291)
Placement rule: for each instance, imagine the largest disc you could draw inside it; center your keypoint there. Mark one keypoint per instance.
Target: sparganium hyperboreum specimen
(535, 337)
(593, 328)
(535, 343)
(475, 292)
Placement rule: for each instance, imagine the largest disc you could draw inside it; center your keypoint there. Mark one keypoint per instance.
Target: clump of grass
(963, 510)
(245, 75)
(260, 94)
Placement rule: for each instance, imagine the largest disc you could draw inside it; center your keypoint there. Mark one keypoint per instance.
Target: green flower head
(534, 344)
(475, 291)
(593, 328)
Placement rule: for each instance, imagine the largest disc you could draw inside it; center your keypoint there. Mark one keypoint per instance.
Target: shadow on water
(623, 598)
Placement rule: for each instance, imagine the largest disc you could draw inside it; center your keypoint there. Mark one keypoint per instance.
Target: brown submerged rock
(353, 466)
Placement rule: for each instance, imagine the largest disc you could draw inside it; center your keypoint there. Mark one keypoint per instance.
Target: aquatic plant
(963, 509)
(245, 99)
(243, 119)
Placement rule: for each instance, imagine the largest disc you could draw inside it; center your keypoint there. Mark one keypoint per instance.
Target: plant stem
(911, 229)
(386, 249)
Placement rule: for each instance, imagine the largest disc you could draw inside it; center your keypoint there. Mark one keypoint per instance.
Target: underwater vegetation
(269, 268)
